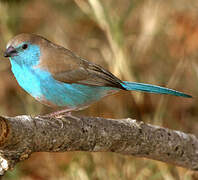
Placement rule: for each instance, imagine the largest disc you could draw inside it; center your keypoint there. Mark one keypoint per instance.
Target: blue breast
(41, 85)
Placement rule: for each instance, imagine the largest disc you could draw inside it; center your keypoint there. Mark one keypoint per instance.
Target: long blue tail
(152, 89)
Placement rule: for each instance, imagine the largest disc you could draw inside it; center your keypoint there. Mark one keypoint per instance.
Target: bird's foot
(48, 120)
(60, 115)
(63, 113)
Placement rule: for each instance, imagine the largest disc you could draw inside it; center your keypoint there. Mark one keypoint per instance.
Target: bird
(57, 77)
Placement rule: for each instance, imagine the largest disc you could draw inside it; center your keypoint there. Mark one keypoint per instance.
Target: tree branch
(22, 135)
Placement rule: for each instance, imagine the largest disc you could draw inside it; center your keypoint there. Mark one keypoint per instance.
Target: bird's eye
(25, 46)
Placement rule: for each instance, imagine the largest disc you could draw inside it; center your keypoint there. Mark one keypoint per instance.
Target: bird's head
(24, 49)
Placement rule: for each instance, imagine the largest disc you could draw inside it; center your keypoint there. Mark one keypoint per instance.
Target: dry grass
(145, 41)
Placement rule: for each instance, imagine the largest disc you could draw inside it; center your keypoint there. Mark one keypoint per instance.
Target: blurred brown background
(138, 40)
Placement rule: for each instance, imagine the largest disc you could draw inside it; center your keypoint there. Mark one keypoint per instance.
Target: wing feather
(67, 67)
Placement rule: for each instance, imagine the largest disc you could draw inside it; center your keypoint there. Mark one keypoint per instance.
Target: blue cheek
(29, 56)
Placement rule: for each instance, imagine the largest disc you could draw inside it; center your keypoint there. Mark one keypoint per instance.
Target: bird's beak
(10, 52)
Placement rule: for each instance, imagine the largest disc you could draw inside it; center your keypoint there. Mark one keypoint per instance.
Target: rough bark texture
(22, 135)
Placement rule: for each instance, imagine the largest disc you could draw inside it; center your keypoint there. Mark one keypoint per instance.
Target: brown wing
(67, 67)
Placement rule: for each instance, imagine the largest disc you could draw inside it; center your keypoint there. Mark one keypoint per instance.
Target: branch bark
(23, 135)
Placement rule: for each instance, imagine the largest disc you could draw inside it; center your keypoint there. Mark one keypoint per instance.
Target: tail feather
(152, 89)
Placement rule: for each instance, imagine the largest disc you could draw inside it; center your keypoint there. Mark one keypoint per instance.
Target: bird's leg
(63, 113)
(59, 115)
(41, 118)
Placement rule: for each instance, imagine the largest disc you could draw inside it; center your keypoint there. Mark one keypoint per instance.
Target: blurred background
(137, 40)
